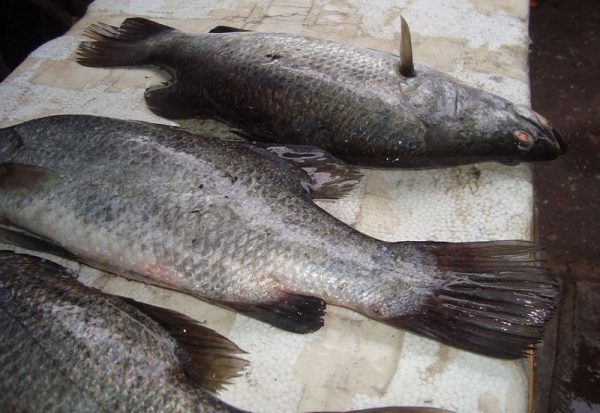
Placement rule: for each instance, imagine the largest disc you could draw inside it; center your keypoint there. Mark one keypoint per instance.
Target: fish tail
(492, 298)
(127, 45)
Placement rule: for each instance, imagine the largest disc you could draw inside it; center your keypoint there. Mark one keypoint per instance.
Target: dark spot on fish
(273, 56)
(194, 241)
(194, 211)
(200, 186)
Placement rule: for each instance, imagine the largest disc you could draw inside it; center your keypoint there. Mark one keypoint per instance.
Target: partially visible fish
(364, 106)
(234, 224)
(66, 347)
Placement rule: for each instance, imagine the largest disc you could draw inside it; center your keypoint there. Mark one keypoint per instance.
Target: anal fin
(209, 359)
(293, 312)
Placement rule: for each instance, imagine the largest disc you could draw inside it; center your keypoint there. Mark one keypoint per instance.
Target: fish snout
(561, 145)
(538, 137)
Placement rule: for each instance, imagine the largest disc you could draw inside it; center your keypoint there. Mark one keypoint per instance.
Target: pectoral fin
(325, 176)
(172, 102)
(21, 178)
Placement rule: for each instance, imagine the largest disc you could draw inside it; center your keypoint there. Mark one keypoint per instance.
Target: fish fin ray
(19, 178)
(33, 243)
(118, 46)
(326, 176)
(209, 359)
(227, 29)
(293, 312)
(491, 298)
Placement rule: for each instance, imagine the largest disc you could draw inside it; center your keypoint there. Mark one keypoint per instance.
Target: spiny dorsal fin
(208, 358)
(407, 68)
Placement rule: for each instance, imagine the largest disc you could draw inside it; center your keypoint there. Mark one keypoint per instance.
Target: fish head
(465, 124)
(511, 133)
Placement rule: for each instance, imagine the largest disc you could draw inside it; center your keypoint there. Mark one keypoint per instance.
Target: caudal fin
(492, 298)
(119, 46)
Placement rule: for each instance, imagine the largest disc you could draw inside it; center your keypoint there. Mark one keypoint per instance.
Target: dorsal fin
(407, 68)
(208, 358)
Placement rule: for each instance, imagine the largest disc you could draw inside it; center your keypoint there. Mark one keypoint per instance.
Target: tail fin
(119, 46)
(492, 298)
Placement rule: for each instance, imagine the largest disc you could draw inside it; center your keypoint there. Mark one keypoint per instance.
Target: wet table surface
(352, 362)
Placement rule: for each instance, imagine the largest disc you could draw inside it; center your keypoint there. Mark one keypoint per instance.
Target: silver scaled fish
(234, 224)
(364, 106)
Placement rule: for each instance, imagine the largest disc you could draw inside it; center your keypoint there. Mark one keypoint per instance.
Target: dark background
(565, 84)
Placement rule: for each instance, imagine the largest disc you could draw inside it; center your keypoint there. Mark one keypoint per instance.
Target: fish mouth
(558, 140)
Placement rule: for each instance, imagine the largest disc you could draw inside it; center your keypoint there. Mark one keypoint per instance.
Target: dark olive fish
(364, 106)
(232, 223)
(69, 348)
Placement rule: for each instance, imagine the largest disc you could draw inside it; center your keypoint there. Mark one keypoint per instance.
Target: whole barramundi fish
(235, 224)
(70, 348)
(364, 106)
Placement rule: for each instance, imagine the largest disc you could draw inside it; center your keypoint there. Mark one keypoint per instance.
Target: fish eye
(524, 140)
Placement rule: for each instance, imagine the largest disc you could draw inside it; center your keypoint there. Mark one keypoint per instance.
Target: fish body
(234, 224)
(68, 347)
(353, 102)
